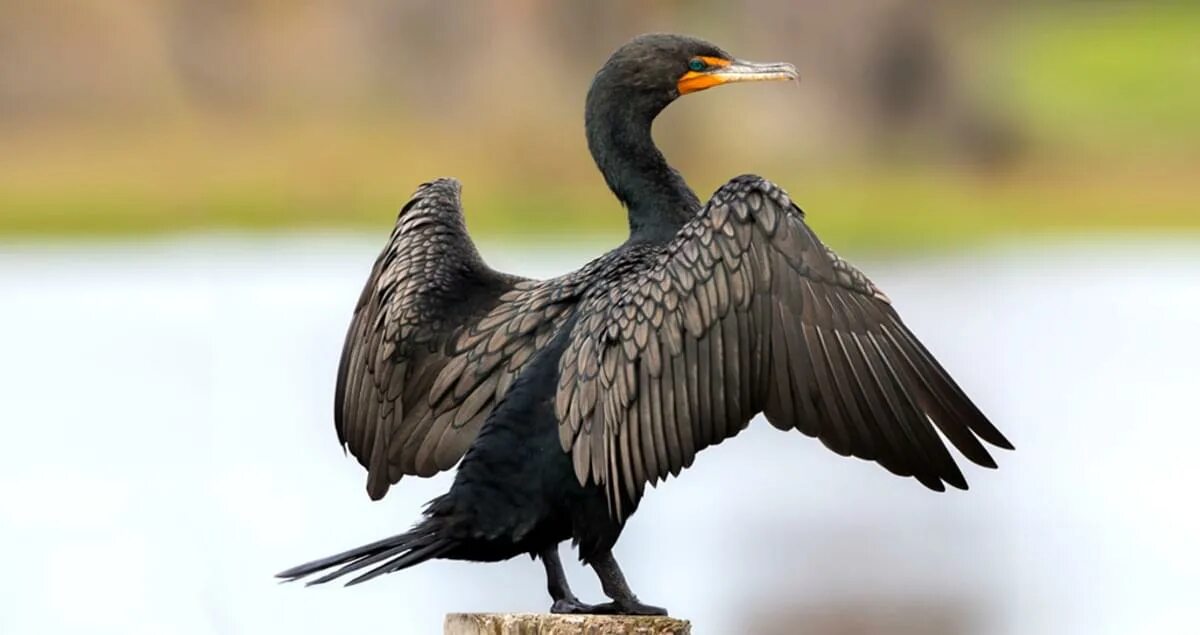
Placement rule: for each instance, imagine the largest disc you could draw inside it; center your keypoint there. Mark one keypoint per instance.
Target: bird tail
(423, 542)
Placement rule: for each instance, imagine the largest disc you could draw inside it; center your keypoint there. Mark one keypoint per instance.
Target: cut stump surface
(547, 624)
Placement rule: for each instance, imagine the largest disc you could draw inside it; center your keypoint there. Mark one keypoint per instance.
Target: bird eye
(697, 65)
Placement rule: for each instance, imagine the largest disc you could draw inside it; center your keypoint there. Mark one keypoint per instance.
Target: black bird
(563, 398)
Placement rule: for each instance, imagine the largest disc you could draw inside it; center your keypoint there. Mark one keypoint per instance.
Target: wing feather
(436, 340)
(746, 312)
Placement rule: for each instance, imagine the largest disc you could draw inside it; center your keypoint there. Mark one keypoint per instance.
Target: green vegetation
(1109, 93)
(858, 209)
(1108, 75)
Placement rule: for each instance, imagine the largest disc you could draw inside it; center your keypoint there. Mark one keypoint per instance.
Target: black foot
(572, 607)
(624, 602)
(627, 608)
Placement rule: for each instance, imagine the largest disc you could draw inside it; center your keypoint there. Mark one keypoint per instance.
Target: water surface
(169, 446)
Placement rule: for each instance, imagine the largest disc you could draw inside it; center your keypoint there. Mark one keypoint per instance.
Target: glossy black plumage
(565, 397)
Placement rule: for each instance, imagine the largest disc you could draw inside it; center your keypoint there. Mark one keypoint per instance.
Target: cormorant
(563, 398)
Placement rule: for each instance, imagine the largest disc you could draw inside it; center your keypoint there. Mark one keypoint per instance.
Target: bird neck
(655, 195)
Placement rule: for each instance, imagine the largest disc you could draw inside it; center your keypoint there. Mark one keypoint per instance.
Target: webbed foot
(572, 606)
(627, 608)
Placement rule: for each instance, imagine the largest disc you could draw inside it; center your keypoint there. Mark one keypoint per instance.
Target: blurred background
(192, 193)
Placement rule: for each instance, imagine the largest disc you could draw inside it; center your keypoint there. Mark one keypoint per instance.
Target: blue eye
(697, 65)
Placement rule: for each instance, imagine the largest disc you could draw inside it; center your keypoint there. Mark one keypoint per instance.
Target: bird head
(657, 68)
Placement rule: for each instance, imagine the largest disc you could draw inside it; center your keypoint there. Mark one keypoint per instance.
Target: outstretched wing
(437, 338)
(746, 312)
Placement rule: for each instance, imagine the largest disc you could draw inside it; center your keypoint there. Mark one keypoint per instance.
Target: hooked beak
(736, 71)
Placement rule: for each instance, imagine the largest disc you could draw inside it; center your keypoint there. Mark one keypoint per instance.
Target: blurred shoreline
(917, 124)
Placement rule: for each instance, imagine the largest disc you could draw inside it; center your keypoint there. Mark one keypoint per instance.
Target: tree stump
(548, 624)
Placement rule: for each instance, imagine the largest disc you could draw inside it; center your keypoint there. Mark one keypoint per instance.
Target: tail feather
(397, 552)
(405, 561)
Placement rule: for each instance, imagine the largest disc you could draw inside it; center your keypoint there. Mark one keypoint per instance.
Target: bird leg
(560, 590)
(624, 602)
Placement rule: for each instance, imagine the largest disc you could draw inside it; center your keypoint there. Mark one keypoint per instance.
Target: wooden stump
(547, 624)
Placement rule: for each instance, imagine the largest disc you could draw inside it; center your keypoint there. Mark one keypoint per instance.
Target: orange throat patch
(693, 81)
